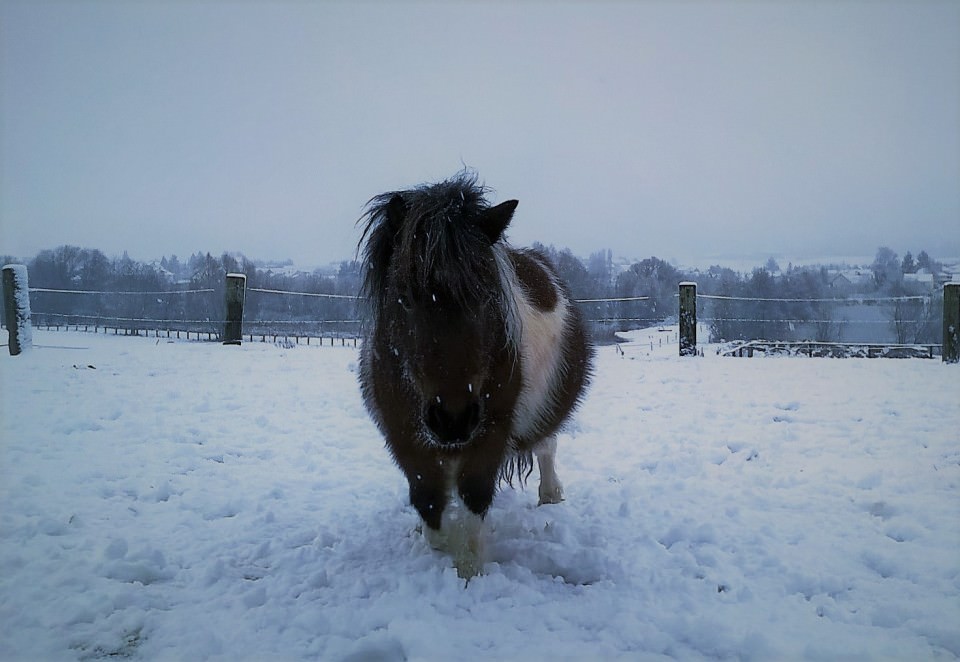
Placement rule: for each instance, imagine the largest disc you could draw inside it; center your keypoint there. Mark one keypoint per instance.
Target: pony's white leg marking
(462, 535)
(551, 491)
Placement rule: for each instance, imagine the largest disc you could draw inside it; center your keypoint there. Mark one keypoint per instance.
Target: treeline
(875, 304)
(798, 303)
(186, 294)
(768, 303)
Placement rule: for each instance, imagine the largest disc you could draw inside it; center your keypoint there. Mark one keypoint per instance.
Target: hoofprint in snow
(188, 500)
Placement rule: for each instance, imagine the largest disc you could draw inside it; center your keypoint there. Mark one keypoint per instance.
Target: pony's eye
(404, 301)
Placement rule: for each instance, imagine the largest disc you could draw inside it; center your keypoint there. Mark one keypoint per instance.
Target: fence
(901, 319)
(184, 314)
(812, 326)
(753, 323)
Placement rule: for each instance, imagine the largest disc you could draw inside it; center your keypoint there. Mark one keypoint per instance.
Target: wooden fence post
(951, 323)
(16, 308)
(234, 296)
(688, 319)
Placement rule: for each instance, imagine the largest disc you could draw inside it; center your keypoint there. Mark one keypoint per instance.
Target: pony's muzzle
(453, 425)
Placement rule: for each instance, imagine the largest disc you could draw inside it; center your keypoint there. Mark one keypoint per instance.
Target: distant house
(165, 273)
(848, 281)
(840, 284)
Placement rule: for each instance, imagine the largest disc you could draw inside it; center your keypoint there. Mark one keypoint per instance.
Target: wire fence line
(103, 320)
(912, 318)
(319, 295)
(357, 297)
(847, 301)
(260, 290)
(612, 300)
(803, 321)
(900, 319)
(104, 292)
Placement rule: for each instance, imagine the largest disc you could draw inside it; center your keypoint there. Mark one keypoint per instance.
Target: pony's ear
(495, 220)
(396, 212)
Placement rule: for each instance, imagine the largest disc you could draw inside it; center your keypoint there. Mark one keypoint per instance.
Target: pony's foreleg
(462, 535)
(551, 490)
(428, 493)
(474, 477)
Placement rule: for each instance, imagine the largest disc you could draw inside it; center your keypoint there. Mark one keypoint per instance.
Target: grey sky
(682, 130)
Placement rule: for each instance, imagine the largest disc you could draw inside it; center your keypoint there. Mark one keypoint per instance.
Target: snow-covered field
(191, 501)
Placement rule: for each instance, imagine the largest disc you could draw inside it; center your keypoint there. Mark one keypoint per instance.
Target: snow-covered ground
(187, 500)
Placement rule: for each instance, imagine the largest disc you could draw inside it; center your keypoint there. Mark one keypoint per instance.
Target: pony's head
(438, 295)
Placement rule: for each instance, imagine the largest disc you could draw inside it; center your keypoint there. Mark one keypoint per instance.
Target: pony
(473, 355)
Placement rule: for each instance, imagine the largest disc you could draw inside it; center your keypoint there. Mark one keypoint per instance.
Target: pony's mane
(436, 248)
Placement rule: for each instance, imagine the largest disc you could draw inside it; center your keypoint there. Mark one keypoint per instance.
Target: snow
(186, 500)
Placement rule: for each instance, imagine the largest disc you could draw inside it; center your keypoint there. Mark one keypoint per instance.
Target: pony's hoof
(468, 568)
(554, 495)
(462, 536)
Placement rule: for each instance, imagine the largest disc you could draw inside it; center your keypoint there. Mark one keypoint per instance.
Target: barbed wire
(160, 293)
(263, 290)
(302, 321)
(612, 320)
(102, 318)
(105, 318)
(357, 297)
(801, 321)
(721, 297)
(832, 343)
(305, 294)
(791, 300)
(611, 299)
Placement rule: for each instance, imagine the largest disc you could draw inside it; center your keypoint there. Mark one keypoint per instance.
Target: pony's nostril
(453, 427)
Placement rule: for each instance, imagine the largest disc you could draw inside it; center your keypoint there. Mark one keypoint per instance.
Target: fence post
(234, 296)
(688, 319)
(16, 308)
(951, 322)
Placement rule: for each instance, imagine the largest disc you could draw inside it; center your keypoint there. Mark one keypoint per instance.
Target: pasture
(164, 499)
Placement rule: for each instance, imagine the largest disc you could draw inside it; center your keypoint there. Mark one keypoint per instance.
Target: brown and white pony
(473, 355)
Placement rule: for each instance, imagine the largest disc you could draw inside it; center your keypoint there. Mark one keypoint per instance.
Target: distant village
(918, 275)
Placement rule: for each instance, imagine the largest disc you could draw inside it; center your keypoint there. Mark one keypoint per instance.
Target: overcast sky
(682, 130)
